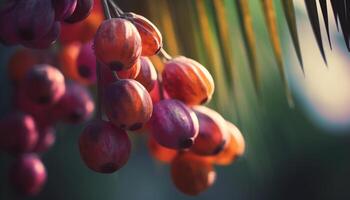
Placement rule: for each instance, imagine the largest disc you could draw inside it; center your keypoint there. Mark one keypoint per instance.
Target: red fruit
(8, 35)
(44, 84)
(64, 8)
(103, 147)
(86, 63)
(192, 174)
(150, 35)
(18, 133)
(75, 106)
(47, 138)
(82, 11)
(234, 148)
(127, 104)
(173, 124)
(148, 74)
(213, 133)
(188, 81)
(159, 152)
(28, 174)
(118, 44)
(108, 76)
(37, 20)
(47, 40)
(130, 73)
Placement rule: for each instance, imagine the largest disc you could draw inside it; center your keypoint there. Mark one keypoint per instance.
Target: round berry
(118, 44)
(188, 81)
(103, 147)
(28, 174)
(130, 73)
(47, 40)
(173, 124)
(81, 11)
(148, 74)
(46, 140)
(64, 8)
(86, 63)
(127, 104)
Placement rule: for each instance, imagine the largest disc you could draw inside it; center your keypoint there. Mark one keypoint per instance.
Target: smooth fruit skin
(86, 63)
(213, 133)
(151, 37)
(46, 140)
(82, 11)
(28, 174)
(18, 133)
(34, 18)
(234, 149)
(47, 40)
(8, 35)
(155, 93)
(75, 106)
(118, 44)
(159, 152)
(131, 73)
(127, 104)
(192, 174)
(103, 147)
(148, 74)
(44, 84)
(173, 124)
(188, 81)
(64, 8)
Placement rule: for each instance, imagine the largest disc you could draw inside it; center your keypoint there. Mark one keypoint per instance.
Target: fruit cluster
(40, 26)
(133, 95)
(168, 105)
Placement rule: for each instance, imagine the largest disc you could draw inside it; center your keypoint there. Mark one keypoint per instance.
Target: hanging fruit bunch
(111, 49)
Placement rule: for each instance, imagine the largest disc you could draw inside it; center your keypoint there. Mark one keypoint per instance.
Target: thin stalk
(164, 54)
(106, 9)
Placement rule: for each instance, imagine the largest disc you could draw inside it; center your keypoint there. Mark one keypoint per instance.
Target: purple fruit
(28, 174)
(86, 63)
(173, 124)
(103, 147)
(47, 40)
(75, 106)
(64, 8)
(8, 30)
(18, 133)
(34, 18)
(44, 84)
(82, 11)
(148, 74)
(47, 138)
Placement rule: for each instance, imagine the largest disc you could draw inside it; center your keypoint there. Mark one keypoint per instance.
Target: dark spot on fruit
(116, 66)
(27, 35)
(123, 126)
(219, 148)
(84, 71)
(75, 116)
(109, 167)
(187, 143)
(135, 126)
(204, 100)
(44, 100)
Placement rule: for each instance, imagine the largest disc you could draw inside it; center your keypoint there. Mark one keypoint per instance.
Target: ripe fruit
(213, 133)
(44, 84)
(104, 147)
(118, 44)
(234, 148)
(18, 133)
(148, 75)
(188, 81)
(64, 8)
(192, 174)
(150, 35)
(159, 152)
(86, 63)
(37, 20)
(127, 104)
(107, 76)
(8, 35)
(28, 174)
(75, 106)
(173, 124)
(47, 40)
(47, 138)
(82, 11)
(130, 73)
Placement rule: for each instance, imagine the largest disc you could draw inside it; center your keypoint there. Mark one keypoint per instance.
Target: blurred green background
(299, 153)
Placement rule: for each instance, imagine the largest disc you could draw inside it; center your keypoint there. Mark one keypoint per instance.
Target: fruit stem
(116, 8)
(106, 9)
(99, 91)
(113, 9)
(164, 54)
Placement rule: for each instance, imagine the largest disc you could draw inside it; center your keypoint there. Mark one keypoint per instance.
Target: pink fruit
(86, 63)
(148, 74)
